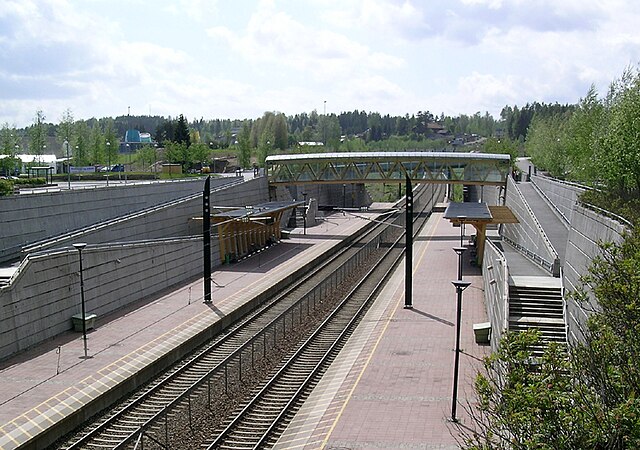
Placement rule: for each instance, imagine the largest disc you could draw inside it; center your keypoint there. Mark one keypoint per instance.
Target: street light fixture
(155, 157)
(304, 214)
(80, 246)
(460, 286)
(459, 251)
(108, 160)
(344, 196)
(66, 144)
(462, 219)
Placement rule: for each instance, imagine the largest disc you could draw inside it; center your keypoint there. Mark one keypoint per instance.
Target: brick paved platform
(52, 382)
(391, 386)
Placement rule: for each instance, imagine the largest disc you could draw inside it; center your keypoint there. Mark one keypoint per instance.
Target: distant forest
(329, 129)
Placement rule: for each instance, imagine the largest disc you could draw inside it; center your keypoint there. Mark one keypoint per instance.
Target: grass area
(384, 193)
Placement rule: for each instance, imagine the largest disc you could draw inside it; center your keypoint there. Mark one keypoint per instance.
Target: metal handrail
(548, 200)
(608, 214)
(110, 222)
(550, 248)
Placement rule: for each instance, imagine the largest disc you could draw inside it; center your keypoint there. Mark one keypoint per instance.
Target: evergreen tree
(182, 135)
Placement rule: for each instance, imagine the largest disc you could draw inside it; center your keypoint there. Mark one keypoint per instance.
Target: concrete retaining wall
(562, 196)
(528, 236)
(587, 230)
(42, 296)
(43, 216)
(334, 195)
(170, 219)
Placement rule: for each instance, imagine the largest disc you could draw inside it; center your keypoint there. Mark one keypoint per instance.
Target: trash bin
(89, 320)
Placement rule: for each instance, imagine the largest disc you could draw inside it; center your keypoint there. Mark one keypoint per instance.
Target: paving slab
(47, 383)
(391, 386)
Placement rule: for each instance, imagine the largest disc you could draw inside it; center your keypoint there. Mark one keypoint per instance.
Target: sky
(237, 59)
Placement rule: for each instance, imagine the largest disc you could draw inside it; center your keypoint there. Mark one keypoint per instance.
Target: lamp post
(461, 219)
(459, 251)
(460, 286)
(304, 213)
(108, 160)
(344, 196)
(66, 144)
(155, 157)
(324, 128)
(80, 246)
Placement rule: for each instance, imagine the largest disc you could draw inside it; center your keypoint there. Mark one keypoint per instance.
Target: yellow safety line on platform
(129, 363)
(373, 350)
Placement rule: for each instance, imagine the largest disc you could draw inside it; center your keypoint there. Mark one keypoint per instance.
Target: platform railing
(549, 259)
(495, 277)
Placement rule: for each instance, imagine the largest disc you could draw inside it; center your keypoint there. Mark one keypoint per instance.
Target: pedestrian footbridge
(389, 167)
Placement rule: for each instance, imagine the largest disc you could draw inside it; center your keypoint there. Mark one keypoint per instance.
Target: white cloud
(217, 59)
(275, 37)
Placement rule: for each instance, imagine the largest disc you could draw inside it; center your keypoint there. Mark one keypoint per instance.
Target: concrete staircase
(536, 302)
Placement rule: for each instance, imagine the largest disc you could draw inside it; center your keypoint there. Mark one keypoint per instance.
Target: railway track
(226, 365)
(255, 334)
(258, 423)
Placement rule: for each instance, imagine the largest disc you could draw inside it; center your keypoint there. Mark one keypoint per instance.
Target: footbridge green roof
(389, 167)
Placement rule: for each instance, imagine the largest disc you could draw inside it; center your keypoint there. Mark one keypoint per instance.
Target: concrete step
(537, 296)
(533, 314)
(536, 302)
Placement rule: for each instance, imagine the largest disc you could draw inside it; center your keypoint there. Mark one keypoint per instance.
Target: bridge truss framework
(389, 167)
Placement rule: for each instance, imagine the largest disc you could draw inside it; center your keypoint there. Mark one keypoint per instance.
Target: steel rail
(154, 403)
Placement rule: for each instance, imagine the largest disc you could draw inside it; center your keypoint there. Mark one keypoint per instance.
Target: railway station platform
(390, 388)
(47, 384)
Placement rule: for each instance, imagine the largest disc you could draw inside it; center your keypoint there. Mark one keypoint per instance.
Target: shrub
(6, 187)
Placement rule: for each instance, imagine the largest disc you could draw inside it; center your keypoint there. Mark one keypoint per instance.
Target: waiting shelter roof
(468, 212)
(261, 210)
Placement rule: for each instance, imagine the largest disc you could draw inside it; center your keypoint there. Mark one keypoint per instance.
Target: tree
(65, 133)
(97, 147)
(582, 129)
(177, 153)
(244, 144)
(81, 148)
(266, 146)
(523, 405)
(165, 131)
(182, 135)
(280, 132)
(617, 150)
(546, 144)
(585, 397)
(37, 133)
(330, 130)
(147, 156)
(66, 128)
(9, 140)
(112, 149)
(199, 153)
(503, 146)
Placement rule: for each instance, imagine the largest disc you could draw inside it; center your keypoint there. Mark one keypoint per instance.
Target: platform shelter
(479, 215)
(245, 230)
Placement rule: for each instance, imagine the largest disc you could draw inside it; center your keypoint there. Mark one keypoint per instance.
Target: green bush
(628, 208)
(32, 181)
(6, 187)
